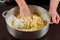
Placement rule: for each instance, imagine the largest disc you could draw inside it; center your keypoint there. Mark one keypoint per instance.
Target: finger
(57, 19)
(54, 19)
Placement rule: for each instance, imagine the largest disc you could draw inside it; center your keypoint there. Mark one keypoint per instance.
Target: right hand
(24, 10)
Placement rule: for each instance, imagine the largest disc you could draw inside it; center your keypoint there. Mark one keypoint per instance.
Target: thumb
(57, 19)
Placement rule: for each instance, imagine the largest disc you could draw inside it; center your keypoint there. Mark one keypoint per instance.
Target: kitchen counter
(53, 33)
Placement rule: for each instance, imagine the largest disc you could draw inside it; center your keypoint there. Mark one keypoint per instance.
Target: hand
(55, 16)
(24, 12)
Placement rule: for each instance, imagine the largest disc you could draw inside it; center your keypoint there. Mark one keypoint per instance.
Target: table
(53, 33)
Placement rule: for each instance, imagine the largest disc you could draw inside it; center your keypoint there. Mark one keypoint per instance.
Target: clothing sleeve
(38, 2)
(34, 2)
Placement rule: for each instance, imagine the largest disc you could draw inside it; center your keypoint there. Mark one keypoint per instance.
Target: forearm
(54, 4)
(21, 3)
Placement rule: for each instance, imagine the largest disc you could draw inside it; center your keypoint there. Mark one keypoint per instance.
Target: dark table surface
(53, 33)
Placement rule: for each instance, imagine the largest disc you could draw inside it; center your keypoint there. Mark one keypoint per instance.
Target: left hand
(55, 16)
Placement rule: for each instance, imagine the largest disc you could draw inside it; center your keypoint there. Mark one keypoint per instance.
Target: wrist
(52, 10)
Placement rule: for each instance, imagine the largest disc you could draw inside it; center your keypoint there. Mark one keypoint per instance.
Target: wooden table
(53, 33)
